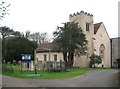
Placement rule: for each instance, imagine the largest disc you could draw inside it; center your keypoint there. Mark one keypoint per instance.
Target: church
(98, 43)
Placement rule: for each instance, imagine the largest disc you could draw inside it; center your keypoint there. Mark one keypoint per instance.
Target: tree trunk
(90, 64)
(71, 59)
(65, 59)
(94, 65)
(3, 48)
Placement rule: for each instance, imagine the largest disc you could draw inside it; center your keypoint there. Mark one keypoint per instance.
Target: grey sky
(46, 15)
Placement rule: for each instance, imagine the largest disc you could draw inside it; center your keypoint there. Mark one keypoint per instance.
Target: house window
(45, 57)
(55, 57)
(87, 26)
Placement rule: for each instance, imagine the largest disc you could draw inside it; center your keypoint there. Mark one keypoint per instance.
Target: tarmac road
(93, 78)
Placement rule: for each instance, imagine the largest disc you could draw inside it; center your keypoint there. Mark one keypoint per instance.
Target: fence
(55, 66)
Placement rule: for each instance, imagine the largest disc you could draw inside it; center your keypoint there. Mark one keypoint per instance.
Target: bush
(95, 59)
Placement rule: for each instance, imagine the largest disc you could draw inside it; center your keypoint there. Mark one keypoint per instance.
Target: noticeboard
(26, 57)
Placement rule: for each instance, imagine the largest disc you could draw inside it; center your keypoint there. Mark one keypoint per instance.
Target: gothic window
(102, 48)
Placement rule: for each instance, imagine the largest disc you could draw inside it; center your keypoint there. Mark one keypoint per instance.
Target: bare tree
(40, 38)
(43, 38)
(27, 34)
(35, 36)
(3, 9)
(7, 32)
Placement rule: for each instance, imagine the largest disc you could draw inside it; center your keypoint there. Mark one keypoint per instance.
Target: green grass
(48, 75)
(0, 68)
(15, 67)
(0, 71)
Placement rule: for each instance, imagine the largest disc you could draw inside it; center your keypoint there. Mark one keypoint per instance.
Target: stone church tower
(85, 21)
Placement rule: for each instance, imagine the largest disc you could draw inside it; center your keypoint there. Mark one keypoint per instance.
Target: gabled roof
(96, 27)
(46, 47)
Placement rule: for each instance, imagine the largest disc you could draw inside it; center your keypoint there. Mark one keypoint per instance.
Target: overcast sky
(46, 15)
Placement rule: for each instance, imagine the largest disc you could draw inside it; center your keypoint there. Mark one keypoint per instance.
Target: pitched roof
(96, 27)
(53, 47)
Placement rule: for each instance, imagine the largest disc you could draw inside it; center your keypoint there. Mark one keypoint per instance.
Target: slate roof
(53, 47)
(96, 27)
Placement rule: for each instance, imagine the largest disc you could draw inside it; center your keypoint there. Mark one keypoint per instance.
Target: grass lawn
(48, 75)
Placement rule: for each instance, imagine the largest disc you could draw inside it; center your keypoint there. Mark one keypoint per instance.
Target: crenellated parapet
(79, 13)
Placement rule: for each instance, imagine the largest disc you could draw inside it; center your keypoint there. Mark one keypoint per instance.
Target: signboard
(26, 57)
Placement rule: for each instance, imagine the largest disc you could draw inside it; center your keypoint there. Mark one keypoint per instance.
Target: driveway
(93, 78)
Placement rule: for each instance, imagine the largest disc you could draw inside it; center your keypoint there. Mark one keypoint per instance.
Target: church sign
(26, 57)
(26, 62)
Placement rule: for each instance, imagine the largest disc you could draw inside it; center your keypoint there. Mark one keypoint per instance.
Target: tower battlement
(79, 13)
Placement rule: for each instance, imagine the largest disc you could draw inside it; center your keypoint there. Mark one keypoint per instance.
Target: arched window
(102, 48)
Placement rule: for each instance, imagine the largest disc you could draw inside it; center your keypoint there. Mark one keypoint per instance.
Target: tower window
(87, 26)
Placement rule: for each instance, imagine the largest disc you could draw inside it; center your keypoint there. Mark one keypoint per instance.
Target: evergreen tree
(71, 41)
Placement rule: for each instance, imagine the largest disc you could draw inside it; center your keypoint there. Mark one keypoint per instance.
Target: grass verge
(48, 75)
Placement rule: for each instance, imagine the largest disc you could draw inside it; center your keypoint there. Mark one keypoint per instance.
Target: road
(93, 78)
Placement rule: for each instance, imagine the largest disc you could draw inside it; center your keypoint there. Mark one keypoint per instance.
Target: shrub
(95, 59)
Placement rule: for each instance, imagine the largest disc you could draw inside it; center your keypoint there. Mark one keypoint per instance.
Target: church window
(87, 26)
(102, 48)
